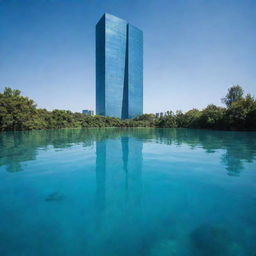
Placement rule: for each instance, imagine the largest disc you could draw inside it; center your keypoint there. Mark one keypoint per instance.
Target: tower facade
(119, 68)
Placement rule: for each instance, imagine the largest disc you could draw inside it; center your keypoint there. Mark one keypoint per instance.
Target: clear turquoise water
(114, 192)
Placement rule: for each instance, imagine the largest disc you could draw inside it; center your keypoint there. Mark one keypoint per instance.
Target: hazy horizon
(193, 50)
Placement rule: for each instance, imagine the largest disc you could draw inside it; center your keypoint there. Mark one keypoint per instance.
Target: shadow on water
(19, 147)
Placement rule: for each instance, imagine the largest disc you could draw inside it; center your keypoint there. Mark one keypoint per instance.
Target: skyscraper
(119, 68)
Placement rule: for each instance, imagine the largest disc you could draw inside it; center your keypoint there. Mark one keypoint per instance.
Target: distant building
(119, 68)
(88, 112)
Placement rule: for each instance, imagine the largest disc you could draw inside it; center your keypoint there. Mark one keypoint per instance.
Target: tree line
(19, 113)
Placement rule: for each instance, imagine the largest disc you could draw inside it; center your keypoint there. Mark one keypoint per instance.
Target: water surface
(114, 192)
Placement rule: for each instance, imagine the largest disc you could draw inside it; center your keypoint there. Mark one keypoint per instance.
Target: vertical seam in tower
(124, 113)
(105, 31)
(126, 71)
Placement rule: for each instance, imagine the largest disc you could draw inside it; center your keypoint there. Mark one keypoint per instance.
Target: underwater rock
(165, 247)
(212, 240)
(55, 196)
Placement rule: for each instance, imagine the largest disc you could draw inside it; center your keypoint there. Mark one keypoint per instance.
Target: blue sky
(193, 49)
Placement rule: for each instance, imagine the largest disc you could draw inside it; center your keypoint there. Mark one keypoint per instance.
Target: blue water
(114, 192)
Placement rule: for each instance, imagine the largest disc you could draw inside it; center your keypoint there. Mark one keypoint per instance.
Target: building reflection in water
(16, 148)
(118, 183)
(101, 175)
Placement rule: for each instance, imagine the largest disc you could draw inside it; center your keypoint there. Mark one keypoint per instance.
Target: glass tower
(119, 68)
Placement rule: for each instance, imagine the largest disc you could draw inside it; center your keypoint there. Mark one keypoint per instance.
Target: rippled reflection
(18, 147)
(140, 192)
(118, 189)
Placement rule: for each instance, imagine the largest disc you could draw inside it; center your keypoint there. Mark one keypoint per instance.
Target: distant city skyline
(119, 68)
(193, 50)
(88, 112)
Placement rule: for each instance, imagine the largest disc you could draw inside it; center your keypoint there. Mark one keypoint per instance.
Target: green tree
(241, 115)
(180, 118)
(16, 112)
(168, 121)
(146, 120)
(191, 118)
(234, 94)
(146, 117)
(212, 117)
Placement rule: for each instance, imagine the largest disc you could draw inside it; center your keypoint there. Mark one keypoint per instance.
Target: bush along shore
(19, 113)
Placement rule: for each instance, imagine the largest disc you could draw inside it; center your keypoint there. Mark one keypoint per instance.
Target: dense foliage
(20, 113)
